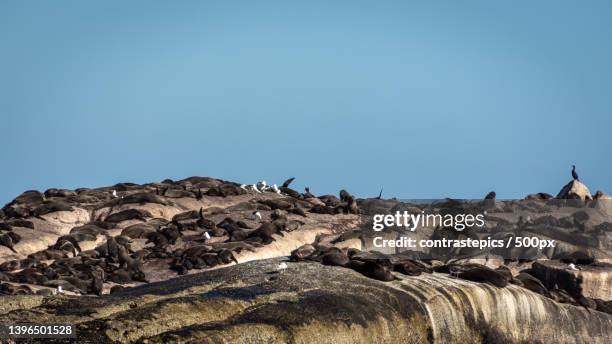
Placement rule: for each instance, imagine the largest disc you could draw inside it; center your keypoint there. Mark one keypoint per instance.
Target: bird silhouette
(574, 174)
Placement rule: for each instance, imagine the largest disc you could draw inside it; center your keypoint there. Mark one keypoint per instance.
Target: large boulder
(313, 303)
(575, 190)
(591, 280)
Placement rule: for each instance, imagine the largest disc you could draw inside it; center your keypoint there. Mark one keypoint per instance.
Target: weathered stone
(575, 189)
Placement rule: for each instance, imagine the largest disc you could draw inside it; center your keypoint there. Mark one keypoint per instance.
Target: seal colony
(130, 229)
(129, 234)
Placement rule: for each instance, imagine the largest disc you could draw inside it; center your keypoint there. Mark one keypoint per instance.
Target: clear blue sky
(455, 98)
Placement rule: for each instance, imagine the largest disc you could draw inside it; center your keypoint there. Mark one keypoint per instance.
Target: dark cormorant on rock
(491, 195)
(574, 174)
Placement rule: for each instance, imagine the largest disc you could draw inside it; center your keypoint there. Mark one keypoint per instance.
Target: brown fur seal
(7, 241)
(352, 207)
(51, 207)
(490, 195)
(287, 182)
(335, 259)
(372, 269)
(129, 214)
(290, 192)
(344, 195)
(307, 193)
(97, 282)
(482, 274)
(302, 252)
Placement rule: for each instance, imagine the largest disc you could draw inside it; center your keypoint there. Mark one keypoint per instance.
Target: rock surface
(308, 302)
(575, 189)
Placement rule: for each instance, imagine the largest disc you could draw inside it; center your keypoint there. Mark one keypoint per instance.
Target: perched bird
(60, 290)
(380, 194)
(257, 215)
(262, 185)
(115, 193)
(244, 187)
(255, 188)
(206, 236)
(491, 195)
(275, 189)
(574, 174)
(573, 267)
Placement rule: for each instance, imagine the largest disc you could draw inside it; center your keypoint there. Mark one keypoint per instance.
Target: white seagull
(255, 188)
(571, 266)
(258, 215)
(275, 188)
(206, 236)
(115, 193)
(60, 290)
(262, 185)
(244, 187)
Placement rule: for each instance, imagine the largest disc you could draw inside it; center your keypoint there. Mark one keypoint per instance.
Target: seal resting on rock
(372, 269)
(482, 274)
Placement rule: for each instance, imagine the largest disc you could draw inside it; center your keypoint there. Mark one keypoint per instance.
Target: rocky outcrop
(575, 190)
(595, 280)
(308, 302)
(204, 260)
